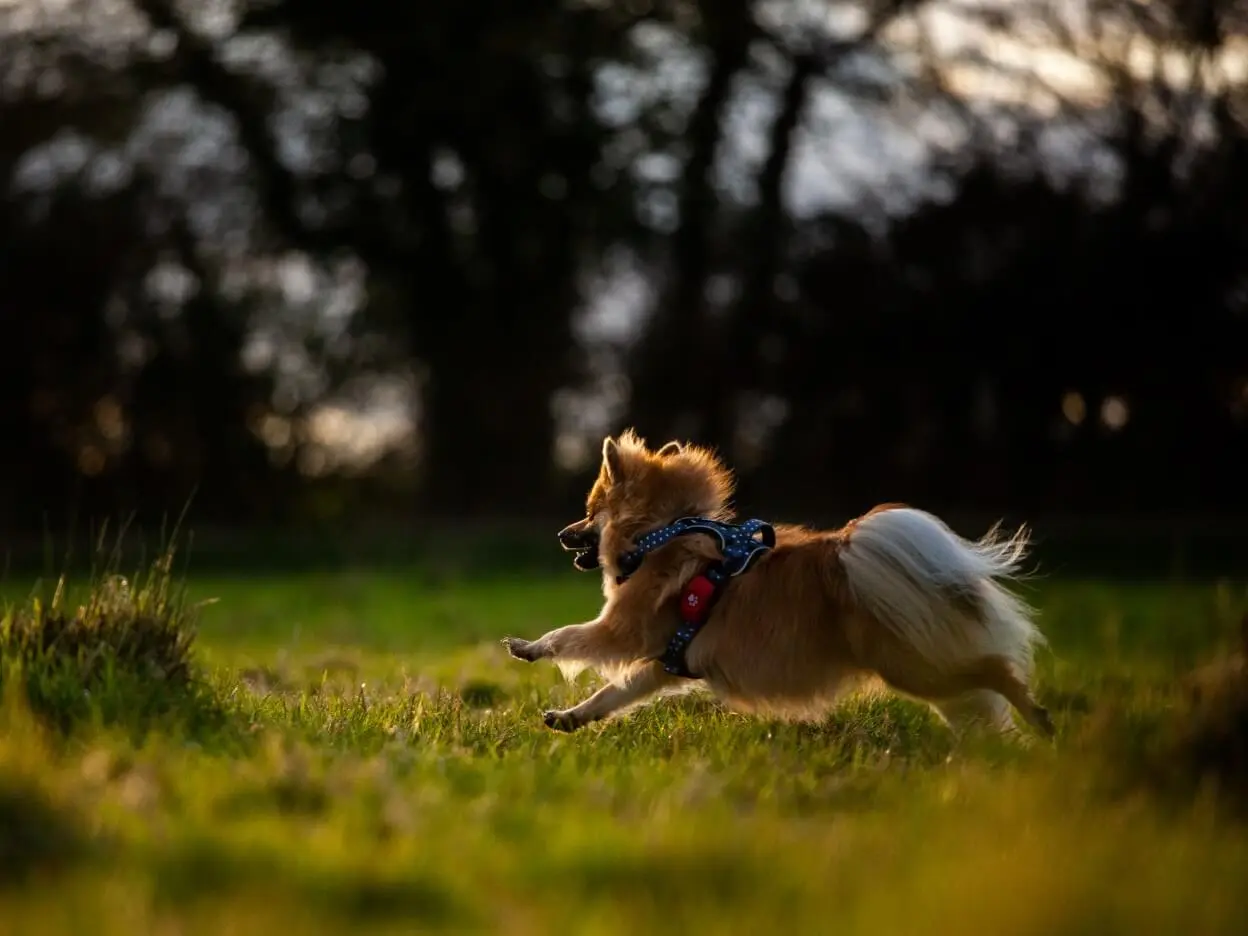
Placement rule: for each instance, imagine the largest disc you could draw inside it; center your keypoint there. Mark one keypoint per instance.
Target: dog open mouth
(584, 544)
(586, 558)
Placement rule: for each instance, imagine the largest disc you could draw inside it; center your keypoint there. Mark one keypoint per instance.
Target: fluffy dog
(893, 594)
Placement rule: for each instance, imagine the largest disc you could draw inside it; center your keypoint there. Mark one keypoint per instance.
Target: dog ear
(671, 448)
(612, 461)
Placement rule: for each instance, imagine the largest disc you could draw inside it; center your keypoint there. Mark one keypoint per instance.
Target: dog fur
(894, 594)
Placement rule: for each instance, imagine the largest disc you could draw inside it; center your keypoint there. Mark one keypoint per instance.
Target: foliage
(529, 224)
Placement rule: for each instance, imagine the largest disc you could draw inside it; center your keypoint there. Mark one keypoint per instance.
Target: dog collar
(740, 545)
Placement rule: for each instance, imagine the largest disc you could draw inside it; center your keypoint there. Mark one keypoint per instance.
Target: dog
(894, 594)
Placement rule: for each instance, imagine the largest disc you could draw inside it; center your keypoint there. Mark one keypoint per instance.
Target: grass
(353, 752)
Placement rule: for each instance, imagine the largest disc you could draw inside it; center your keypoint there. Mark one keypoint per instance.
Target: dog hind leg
(979, 692)
(999, 675)
(977, 708)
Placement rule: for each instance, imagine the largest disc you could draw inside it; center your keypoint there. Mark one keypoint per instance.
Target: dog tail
(944, 596)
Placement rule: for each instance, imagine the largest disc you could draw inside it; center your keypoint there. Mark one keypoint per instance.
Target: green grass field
(374, 762)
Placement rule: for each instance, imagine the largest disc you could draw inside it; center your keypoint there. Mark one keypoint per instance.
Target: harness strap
(696, 602)
(739, 544)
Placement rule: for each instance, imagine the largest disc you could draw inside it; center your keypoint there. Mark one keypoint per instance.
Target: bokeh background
(358, 276)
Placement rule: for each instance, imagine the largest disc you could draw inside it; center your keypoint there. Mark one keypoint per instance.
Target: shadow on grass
(36, 836)
(204, 871)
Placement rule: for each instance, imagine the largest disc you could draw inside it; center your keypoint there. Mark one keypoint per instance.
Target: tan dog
(894, 594)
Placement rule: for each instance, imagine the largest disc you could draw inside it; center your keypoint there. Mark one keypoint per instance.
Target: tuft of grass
(122, 654)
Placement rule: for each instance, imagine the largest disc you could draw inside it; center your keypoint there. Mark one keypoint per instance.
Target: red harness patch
(695, 601)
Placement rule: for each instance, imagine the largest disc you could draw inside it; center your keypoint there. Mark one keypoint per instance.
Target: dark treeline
(229, 229)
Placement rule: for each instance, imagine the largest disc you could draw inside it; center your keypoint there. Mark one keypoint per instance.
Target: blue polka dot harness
(740, 546)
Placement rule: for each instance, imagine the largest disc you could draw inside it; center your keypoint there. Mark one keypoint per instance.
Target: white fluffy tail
(942, 594)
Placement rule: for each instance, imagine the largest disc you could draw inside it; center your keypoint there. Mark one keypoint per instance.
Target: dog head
(638, 490)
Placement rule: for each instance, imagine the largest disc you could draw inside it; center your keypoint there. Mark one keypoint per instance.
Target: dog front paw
(522, 649)
(560, 721)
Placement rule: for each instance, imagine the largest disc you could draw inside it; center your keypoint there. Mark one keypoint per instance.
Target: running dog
(785, 625)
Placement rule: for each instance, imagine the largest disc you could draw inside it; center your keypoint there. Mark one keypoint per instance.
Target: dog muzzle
(584, 543)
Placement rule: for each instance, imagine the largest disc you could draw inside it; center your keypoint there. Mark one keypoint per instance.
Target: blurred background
(357, 274)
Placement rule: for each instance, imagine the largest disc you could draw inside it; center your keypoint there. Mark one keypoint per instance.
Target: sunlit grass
(379, 765)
